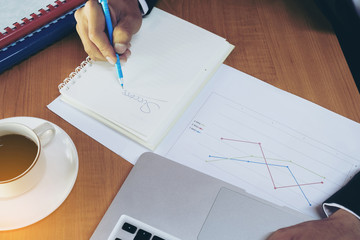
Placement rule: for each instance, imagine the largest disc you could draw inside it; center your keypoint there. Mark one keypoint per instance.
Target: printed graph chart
(267, 162)
(262, 155)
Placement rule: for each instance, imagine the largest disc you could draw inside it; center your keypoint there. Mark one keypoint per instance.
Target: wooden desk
(288, 44)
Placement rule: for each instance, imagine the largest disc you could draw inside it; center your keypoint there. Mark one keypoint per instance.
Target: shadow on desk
(337, 16)
(346, 23)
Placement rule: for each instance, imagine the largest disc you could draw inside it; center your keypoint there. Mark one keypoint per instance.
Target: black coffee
(17, 153)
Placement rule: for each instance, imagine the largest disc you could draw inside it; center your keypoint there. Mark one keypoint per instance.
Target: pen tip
(121, 82)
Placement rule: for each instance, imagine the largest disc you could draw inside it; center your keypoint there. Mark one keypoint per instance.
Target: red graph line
(262, 152)
(235, 140)
(268, 168)
(267, 165)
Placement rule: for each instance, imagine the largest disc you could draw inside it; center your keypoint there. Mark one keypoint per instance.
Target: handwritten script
(146, 104)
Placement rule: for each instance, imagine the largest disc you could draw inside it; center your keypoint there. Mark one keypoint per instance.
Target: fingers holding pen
(91, 27)
(129, 21)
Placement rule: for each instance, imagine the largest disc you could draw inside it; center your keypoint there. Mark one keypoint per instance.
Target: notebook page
(171, 60)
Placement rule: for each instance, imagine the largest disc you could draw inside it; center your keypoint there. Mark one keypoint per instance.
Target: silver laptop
(161, 199)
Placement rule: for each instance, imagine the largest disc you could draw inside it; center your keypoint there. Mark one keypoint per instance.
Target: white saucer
(62, 165)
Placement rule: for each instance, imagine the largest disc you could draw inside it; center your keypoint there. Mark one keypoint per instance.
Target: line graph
(268, 165)
(257, 157)
(250, 147)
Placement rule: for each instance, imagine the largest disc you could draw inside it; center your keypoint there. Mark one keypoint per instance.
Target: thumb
(124, 31)
(121, 39)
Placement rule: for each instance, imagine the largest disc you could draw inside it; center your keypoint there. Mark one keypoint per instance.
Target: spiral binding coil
(35, 22)
(75, 73)
(32, 17)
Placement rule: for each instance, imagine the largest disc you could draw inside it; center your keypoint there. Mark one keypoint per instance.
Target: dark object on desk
(37, 40)
(346, 23)
(348, 196)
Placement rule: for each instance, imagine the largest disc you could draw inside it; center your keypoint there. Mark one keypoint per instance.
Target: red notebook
(36, 20)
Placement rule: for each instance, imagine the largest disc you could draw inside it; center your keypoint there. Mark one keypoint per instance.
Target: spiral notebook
(170, 63)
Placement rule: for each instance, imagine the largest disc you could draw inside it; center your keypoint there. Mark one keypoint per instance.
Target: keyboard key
(157, 238)
(142, 235)
(129, 228)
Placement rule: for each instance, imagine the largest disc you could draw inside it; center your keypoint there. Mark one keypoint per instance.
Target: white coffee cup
(28, 178)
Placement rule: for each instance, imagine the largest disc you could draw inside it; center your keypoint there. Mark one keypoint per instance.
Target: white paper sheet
(239, 129)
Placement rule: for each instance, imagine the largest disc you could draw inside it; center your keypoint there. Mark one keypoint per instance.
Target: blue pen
(105, 7)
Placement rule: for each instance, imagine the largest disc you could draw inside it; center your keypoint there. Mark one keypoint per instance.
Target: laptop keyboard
(140, 234)
(128, 228)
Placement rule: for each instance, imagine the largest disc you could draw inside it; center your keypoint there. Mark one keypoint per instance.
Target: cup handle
(45, 132)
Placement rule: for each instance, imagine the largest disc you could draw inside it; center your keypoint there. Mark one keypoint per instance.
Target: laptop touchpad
(240, 216)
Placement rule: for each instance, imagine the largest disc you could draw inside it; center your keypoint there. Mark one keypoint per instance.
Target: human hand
(91, 27)
(341, 225)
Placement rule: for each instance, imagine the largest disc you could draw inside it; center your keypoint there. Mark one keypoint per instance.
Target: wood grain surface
(288, 44)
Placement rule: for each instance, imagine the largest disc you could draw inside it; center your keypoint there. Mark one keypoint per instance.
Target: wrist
(342, 215)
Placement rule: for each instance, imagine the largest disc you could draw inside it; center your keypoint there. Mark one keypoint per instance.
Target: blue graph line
(299, 186)
(241, 160)
(268, 164)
